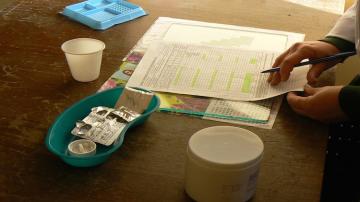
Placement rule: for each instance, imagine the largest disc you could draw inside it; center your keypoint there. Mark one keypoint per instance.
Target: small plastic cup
(82, 147)
(84, 58)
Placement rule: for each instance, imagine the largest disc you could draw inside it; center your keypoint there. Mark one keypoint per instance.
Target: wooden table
(36, 86)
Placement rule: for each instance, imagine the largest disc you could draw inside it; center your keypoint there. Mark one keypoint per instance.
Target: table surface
(36, 86)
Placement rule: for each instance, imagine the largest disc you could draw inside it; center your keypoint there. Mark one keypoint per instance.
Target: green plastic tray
(59, 135)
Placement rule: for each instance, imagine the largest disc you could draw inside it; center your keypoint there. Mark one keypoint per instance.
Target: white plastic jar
(222, 164)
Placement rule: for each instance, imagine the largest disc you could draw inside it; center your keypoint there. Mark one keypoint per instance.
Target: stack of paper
(211, 63)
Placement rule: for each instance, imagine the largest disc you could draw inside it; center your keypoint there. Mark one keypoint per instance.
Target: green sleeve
(342, 44)
(349, 99)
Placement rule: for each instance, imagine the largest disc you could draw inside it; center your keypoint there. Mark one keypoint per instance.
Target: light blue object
(102, 14)
(59, 135)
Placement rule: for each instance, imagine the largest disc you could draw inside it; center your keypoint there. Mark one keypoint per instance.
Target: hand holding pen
(312, 50)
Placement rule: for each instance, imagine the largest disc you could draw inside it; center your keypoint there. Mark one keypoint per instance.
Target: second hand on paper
(211, 71)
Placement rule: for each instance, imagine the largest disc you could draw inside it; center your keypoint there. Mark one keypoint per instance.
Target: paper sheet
(267, 125)
(181, 30)
(190, 31)
(254, 111)
(211, 71)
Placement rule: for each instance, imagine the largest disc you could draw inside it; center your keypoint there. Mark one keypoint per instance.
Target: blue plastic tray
(59, 135)
(102, 14)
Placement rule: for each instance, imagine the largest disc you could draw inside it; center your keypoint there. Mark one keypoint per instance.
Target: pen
(341, 55)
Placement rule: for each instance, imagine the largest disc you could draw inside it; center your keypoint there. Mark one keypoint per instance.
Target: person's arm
(340, 38)
(349, 99)
(345, 26)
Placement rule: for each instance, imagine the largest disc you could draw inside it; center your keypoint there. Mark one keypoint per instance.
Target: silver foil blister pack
(104, 125)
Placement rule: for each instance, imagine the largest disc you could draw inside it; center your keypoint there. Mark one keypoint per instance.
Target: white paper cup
(84, 58)
(223, 164)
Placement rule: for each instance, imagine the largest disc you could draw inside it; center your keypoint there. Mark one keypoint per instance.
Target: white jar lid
(225, 147)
